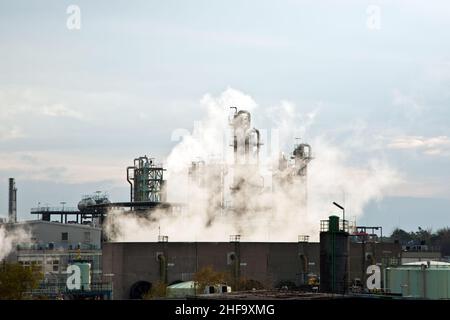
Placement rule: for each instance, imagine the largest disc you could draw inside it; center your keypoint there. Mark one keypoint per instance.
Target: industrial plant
(77, 251)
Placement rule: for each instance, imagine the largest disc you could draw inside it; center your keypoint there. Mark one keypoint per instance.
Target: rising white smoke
(271, 214)
(10, 238)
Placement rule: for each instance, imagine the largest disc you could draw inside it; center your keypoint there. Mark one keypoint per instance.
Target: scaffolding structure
(146, 181)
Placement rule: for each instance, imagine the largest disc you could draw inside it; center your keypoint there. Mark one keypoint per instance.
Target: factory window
(64, 236)
(55, 268)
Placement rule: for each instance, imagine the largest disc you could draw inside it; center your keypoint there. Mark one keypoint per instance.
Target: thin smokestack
(12, 203)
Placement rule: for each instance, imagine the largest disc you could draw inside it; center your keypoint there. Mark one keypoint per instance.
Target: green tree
(401, 236)
(442, 239)
(423, 236)
(16, 280)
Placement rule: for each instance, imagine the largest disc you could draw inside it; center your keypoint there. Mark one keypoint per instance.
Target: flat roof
(50, 223)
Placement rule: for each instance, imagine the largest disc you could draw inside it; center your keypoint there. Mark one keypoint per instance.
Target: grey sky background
(76, 106)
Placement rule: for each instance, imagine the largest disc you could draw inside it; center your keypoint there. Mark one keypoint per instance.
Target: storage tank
(334, 248)
(84, 203)
(425, 279)
(85, 273)
(90, 200)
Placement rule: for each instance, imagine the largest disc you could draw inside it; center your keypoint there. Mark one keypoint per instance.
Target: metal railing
(54, 289)
(163, 238)
(235, 238)
(54, 209)
(303, 238)
(325, 225)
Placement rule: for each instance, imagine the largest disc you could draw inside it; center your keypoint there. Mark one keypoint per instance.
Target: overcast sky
(77, 105)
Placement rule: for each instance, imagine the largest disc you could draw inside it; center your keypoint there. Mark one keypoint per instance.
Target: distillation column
(246, 146)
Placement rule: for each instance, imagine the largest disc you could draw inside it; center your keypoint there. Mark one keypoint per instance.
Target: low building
(53, 247)
(416, 253)
(47, 235)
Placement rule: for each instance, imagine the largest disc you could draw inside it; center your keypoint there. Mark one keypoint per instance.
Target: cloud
(439, 71)
(74, 167)
(20, 107)
(439, 145)
(10, 133)
(409, 104)
(425, 187)
(228, 38)
(60, 110)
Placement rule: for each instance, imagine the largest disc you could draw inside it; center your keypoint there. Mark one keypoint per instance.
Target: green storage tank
(334, 223)
(85, 273)
(334, 256)
(423, 280)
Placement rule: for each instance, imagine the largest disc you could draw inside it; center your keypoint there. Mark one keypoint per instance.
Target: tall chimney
(12, 203)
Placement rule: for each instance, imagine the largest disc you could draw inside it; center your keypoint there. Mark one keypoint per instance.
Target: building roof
(432, 263)
(183, 285)
(49, 223)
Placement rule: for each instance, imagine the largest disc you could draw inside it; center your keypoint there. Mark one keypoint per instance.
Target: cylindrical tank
(334, 248)
(333, 224)
(85, 272)
(242, 119)
(103, 201)
(246, 141)
(425, 280)
(303, 150)
(84, 203)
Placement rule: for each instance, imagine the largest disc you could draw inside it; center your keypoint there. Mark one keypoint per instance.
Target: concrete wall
(268, 263)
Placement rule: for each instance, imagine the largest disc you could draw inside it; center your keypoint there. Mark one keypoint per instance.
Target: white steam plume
(271, 213)
(10, 238)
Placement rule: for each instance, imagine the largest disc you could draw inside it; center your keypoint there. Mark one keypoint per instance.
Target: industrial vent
(231, 258)
(159, 255)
